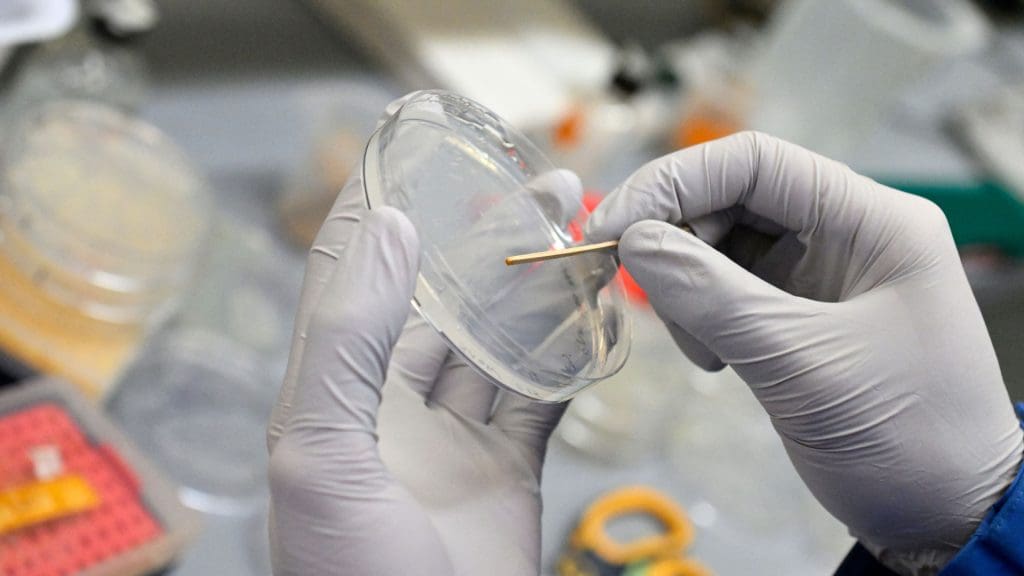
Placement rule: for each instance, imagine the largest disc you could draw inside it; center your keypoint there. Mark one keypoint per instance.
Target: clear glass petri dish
(100, 211)
(476, 191)
(198, 403)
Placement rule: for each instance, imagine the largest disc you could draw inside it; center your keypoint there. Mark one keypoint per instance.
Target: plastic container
(477, 191)
(139, 526)
(102, 220)
(199, 404)
(828, 71)
(198, 395)
(79, 65)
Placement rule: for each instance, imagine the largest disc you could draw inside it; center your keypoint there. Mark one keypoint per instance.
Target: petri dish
(100, 211)
(198, 403)
(477, 190)
(102, 226)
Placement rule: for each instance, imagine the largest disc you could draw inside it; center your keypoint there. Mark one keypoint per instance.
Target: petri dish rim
(131, 129)
(427, 303)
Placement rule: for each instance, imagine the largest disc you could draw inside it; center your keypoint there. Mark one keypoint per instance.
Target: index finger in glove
(352, 332)
(770, 178)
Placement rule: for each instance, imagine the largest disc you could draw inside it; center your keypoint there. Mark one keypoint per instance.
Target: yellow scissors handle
(677, 567)
(632, 500)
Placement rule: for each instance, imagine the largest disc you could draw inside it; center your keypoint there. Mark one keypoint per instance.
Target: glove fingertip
(570, 182)
(643, 241)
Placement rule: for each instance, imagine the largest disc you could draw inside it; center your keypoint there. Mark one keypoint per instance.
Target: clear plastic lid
(476, 191)
(100, 210)
(198, 403)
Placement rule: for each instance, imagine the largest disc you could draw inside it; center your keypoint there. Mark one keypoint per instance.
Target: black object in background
(12, 371)
(1003, 8)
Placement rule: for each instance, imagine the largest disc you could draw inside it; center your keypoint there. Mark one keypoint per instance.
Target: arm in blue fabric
(997, 547)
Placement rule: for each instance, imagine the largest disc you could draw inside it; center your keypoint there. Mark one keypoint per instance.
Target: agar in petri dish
(477, 190)
(102, 225)
(101, 210)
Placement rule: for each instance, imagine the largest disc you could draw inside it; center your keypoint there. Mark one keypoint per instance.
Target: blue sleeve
(997, 546)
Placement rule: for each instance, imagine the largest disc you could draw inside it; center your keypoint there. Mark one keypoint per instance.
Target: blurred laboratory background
(164, 166)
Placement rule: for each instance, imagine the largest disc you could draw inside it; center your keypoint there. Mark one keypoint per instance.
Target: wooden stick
(560, 253)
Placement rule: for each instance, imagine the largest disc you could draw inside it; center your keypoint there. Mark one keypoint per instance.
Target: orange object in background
(592, 550)
(37, 502)
(591, 533)
(55, 338)
(633, 290)
(569, 130)
(705, 122)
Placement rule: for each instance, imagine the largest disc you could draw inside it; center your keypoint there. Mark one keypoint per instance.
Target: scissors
(591, 551)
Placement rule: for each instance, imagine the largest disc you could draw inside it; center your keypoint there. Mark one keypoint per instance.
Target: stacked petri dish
(198, 403)
(102, 220)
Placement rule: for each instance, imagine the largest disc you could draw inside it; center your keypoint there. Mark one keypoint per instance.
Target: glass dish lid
(477, 190)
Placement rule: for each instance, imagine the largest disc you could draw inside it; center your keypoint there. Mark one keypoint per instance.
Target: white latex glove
(441, 476)
(843, 305)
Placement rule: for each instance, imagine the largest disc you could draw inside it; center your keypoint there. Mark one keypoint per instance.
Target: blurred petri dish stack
(198, 402)
(102, 220)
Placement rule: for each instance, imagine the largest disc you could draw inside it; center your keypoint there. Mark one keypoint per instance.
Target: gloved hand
(434, 473)
(843, 305)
